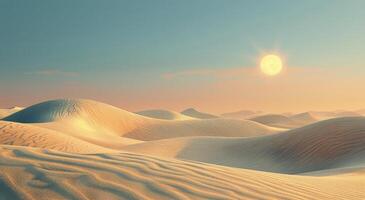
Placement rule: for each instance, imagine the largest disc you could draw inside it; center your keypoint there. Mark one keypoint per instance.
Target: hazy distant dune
(164, 114)
(192, 112)
(243, 114)
(283, 121)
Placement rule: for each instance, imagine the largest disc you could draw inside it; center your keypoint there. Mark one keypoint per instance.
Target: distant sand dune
(283, 121)
(197, 114)
(211, 127)
(324, 145)
(27, 173)
(94, 121)
(243, 114)
(164, 114)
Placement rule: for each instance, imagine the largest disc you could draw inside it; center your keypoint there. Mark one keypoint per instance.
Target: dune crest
(243, 114)
(283, 121)
(164, 114)
(4, 112)
(192, 112)
(94, 121)
(12, 133)
(323, 145)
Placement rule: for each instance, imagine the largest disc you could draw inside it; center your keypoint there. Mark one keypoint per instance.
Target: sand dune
(27, 173)
(243, 114)
(93, 121)
(210, 127)
(4, 112)
(304, 118)
(27, 135)
(334, 114)
(276, 120)
(164, 114)
(191, 112)
(283, 121)
(85, 151)
(329, 144)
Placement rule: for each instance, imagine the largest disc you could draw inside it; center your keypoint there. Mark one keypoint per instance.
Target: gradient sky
(176, 54)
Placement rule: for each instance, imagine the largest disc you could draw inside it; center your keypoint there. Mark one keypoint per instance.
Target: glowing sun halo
(271, 65)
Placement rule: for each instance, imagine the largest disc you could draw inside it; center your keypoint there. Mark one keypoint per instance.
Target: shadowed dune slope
(323, 145)
(93, 121)
(12, 133)
(164, 114)
(27, 173)
(197, 114)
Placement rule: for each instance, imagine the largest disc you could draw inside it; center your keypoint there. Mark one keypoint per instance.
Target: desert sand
(192, 112)
(4, 112)
(242, 114)
(164, 114)
(83, 149)
(90, 120)
(283, 121)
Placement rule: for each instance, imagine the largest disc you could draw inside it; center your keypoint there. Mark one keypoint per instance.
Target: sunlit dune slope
(323, 145)
(93, 121)
(84, 112)
(164, 114)
(12, 133)
(211, 127)
(4, 112)
(27, 173)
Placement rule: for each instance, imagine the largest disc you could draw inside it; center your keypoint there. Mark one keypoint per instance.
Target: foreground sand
(44, 174)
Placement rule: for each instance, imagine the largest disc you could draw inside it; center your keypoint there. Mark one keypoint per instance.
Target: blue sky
(118, 51)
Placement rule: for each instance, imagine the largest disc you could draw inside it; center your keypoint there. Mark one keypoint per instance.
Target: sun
(271, 65)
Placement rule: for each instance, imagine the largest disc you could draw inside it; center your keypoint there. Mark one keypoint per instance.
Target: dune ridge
(242, 114)
(93, 121)
(323, 145)
(4, 112)
(192, 112)
(164, 114)
(283, 121)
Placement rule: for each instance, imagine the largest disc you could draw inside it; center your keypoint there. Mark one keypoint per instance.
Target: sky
(177, 54)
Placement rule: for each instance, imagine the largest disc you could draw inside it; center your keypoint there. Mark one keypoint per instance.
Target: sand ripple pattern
(28, 173)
